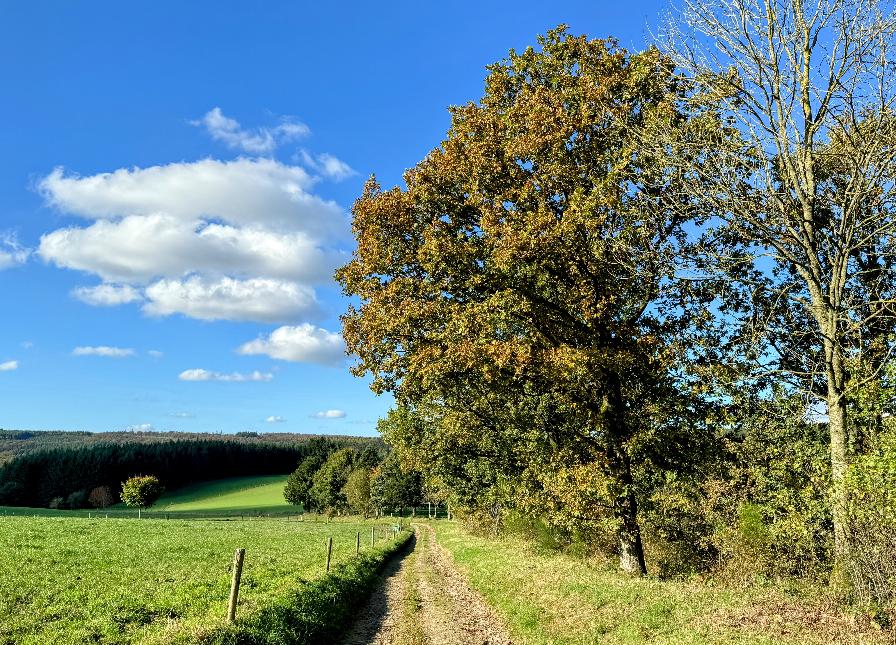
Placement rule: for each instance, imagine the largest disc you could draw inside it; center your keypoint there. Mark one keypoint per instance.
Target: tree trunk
(836, 375)
(625, 506)
(837, 429)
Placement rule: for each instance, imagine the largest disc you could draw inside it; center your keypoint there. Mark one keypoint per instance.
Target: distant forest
(14, 443)
(41, 473)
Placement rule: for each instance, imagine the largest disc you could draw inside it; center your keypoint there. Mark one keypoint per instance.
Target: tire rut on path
(422, 599)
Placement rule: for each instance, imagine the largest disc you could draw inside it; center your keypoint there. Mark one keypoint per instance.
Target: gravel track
(422, 599)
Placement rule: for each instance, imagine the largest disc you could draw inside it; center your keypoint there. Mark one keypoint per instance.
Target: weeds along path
(423, 600)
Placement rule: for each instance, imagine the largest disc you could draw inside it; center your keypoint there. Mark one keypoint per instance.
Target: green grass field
(263, 494)
(554, 599)
(68, 580)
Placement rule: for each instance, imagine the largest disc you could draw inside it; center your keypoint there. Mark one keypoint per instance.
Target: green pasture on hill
(221, 498)
(72, 580)
(235, 494)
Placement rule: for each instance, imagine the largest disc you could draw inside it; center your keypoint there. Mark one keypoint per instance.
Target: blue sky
(175, 186)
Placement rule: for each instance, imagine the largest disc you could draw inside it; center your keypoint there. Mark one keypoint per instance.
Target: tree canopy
(516, 294)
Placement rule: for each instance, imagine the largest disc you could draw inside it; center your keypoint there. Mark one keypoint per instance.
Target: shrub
(101, 497)
(78, 499)
(357, 491)
(141, 491)
(871, 565)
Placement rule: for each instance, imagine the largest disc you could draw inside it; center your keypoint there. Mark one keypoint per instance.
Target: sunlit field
(235, 494)
(68, 580)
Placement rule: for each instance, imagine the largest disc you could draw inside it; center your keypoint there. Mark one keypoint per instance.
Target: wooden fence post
(235, 584)
(373, 536)
(358, 544)
(329, 552)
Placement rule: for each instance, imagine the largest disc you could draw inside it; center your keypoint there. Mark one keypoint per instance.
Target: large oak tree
(517, 293)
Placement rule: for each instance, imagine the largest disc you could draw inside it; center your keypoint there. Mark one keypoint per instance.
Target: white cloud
(235, 377)
(275, 419)
(118, 250)
(303, 343)
(103, 350)
(182, 415)
(242, 192)
(154, 353)
(260, 300)
(327, 165)
(140, 427)
(11, 252)
(191, 237)
(329, 414)
(107, 295)
(9, 366)
(257, 141)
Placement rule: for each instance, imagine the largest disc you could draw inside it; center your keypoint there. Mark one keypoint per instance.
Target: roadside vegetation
(545, 596)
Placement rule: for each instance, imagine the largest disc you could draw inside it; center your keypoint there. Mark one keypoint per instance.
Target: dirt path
(423, 600)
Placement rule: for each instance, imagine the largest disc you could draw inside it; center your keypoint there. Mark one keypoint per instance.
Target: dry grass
(554, 599)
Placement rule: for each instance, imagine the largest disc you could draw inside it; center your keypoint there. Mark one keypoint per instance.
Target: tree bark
(625, 505)
(631, 550)
(837, 430)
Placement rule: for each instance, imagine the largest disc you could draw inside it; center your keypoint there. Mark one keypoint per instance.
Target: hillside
(233, 494)
(14, 443)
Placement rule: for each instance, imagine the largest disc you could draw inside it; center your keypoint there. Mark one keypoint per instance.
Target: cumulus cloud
(275, 419)
(9, 366)
(11, 252)
(234, 377)
(140, 427)
(118, 250)
(107, 295)
(329, 414)
(154, 353)
(103, 350)
(327, 165)
(302, 343)
(260, 299)
(208, 239)
(256, 141)
(242, 192)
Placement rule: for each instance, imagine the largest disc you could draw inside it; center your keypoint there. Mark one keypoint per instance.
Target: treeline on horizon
(66, 476)
(19, 442)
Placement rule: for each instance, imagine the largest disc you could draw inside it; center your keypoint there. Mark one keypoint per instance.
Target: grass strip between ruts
(318, 612)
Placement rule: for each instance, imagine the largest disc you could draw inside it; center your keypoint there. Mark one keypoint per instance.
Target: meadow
(549, 598)
(236, 494)
(69, 579)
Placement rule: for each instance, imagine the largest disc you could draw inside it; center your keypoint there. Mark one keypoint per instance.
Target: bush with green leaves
(329, 480)
(357, 491)
(298, 485)
(141, 491)
(871, 565)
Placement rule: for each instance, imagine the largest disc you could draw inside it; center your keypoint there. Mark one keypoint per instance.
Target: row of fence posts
(240, 555)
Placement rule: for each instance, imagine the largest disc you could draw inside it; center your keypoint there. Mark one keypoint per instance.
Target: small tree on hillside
(393, 487)
(298, 485)
(328, 481)
(357, 491)
(101, 497)
(141, 491)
